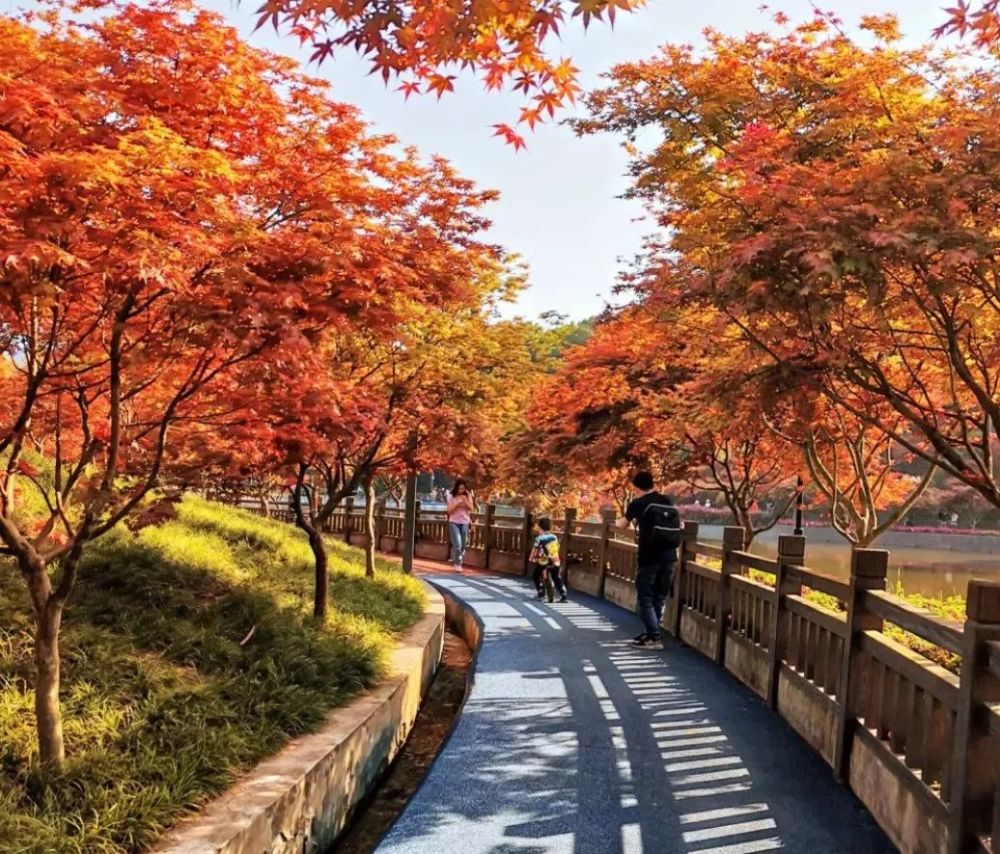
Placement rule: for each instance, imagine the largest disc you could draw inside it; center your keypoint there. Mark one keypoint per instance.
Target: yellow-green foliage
(189, 654)
(948, 608)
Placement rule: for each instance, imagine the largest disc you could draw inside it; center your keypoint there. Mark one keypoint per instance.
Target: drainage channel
(430, 730)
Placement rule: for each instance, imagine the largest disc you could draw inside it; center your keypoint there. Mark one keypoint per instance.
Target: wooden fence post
(488, 517)
(412, 511)
(869, 568)
(569, 519)
(348, 518)
(527, 539)
(974, 774)
(791, 552)
(685, 554)
(607, 531)
(732, 541)
(379, 523)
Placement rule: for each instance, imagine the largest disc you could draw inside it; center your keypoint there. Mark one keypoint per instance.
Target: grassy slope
(162, 704)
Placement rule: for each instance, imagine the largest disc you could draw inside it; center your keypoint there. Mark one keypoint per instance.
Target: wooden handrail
(621, 545)
(752, 561)
(702, 570)
(821, 581)
(752, 586)
(943, 633)
(707, 550)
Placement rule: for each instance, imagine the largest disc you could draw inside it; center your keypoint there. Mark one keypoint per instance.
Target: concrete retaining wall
(812, 715)
(916, 825)
(299, 799)
(431, 551)
(698, 632)
(621, 592)
(747, 662)
(509, 564)
(584, 578)
(475, 558)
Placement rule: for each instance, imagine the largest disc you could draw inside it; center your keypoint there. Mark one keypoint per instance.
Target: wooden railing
(918, 743)
(505, 539)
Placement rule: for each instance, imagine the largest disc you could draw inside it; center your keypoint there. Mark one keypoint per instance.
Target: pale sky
(559, 208)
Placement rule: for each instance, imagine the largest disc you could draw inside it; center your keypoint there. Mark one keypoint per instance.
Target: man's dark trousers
(652, 583)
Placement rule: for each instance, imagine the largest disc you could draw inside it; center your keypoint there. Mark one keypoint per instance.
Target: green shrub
(189, 654)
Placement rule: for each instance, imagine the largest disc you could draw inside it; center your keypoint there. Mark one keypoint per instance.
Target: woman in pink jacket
(460, 509)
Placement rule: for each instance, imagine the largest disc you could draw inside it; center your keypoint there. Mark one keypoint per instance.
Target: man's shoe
(639, 637)
(648, 642)
(563, 599)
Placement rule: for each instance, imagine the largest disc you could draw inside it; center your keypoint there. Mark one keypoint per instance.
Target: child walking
(545, 557)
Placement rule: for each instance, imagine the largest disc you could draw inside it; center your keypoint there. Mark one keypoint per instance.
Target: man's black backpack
(663, 521)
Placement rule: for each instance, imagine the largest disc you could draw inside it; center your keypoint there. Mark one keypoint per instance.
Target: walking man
(658, 535)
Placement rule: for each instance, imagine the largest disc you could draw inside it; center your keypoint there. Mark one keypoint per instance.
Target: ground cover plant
(190, 654)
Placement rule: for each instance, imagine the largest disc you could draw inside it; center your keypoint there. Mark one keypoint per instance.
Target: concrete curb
(463, 618)
(302, 797)
(468, 625)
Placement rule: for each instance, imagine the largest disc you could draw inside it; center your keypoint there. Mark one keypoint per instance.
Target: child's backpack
(547, 551)
(664, 524)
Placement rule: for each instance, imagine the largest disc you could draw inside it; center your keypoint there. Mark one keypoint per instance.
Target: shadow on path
(570, 741)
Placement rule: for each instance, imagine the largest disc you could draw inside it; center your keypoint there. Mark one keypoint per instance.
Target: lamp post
(798, 506)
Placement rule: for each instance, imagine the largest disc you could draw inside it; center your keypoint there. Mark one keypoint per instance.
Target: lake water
(930, 571)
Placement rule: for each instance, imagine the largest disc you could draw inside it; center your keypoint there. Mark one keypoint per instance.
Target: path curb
(302, 797)
(468, 625)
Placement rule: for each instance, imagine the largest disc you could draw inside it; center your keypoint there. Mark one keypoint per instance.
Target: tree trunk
(745, 520)
(371, 535)
(47, 713)
(321, 592)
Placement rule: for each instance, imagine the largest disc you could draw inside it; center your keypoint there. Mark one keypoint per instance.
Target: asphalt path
(571, 741)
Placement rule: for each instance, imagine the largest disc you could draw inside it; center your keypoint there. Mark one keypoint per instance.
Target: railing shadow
(571, 741)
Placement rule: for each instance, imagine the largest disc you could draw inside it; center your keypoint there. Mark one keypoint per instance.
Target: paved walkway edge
(571, 743)
(468, 625)
(302, 797)
(464, 620)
